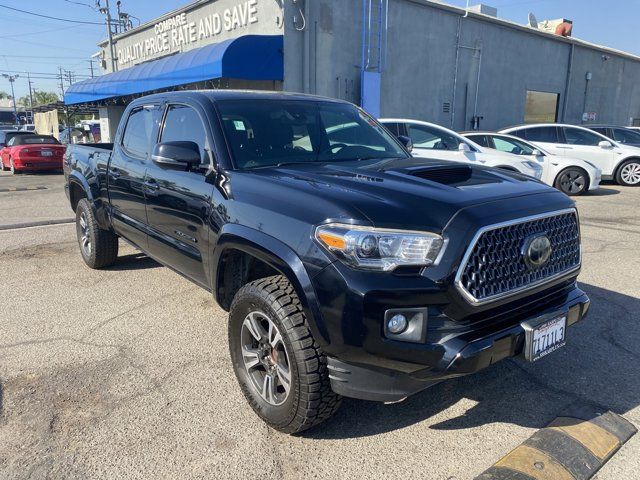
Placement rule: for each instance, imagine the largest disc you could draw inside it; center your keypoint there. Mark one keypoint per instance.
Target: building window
(541, 107)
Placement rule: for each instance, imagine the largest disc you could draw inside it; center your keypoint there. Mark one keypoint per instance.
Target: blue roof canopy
(251, 57)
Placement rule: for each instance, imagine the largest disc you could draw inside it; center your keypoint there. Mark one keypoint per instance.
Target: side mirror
(463, 147)
(176, 154)
(407, 142)
(605, 144)
(537, 153)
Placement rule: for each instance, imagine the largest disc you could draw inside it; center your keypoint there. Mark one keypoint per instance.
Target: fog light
(397, 324)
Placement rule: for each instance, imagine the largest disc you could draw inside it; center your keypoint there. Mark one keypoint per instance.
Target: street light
(12, 78)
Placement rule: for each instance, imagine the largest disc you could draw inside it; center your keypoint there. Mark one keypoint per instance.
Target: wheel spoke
(251, 357)
(252, 324)
(284, 375)
(269, 388)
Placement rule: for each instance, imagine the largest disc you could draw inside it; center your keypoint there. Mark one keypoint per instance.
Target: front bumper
(464, 354)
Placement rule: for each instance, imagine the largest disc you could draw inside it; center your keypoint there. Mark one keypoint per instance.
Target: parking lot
(125, 373)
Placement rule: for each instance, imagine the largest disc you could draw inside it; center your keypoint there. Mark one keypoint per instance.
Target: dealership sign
(213, 22)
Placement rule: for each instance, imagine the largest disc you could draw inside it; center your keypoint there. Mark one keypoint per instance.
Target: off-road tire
(620, 176)
(104, 243)
(311, 400)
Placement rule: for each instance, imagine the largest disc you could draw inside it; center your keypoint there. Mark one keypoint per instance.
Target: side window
(541, 134)
(393, 128)
(626, 136)
(182, 123)
(481, 140)
(601, 131)
(431, 138)
(136, 139)
(576, 136)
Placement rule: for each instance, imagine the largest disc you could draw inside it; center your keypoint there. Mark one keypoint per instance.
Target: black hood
(406, 193)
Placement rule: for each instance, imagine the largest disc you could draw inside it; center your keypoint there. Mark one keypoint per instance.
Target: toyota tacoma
(348, 268)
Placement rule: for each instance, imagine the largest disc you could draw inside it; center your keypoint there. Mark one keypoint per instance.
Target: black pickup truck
(348, 267)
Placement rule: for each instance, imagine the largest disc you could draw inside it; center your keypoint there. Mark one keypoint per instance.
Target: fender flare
(97, 205)
(281, 258)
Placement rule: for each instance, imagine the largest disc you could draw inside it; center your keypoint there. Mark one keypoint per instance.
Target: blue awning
(251, 57)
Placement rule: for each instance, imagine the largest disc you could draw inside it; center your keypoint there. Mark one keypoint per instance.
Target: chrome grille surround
(506, 268)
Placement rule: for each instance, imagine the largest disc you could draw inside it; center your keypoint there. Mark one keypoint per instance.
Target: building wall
(420, 73)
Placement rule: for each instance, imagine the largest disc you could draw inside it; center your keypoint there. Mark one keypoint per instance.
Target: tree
(4, 95)
(39, 98)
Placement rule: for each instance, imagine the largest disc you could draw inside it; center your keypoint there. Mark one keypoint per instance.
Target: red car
(32, 152)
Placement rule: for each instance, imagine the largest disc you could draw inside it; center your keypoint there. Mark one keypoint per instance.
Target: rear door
(126, 173)
(584, 144)
(179, 200)
(431, 142)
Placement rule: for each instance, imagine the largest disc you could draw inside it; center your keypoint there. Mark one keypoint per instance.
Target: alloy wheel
(265, 358)
(572, 182)
(630, 173)
(85, 234)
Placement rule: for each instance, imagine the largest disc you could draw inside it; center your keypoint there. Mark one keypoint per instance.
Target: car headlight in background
(537, 169)
(378, 248)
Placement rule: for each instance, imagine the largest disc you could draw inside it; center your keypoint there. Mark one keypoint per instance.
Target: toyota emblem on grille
(537, 251)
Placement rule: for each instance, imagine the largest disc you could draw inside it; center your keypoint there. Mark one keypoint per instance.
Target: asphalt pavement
(125, 373)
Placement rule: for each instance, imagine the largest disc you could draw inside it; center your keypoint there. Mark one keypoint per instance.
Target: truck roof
(216, 95)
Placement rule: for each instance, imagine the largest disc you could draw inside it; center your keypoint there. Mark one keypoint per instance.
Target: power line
(49, 17)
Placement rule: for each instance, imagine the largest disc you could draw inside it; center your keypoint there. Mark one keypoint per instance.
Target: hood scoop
(446, 174)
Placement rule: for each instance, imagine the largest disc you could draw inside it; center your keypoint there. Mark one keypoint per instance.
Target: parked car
(31, 153)
(616, 160)
(7, 135)
(348, 267)
(28, 127)
(76, 135)
(433, 141)
(623, 135)
(569, 175)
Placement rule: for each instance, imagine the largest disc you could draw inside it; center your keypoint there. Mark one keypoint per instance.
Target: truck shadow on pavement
(134, 261)
(599, 366)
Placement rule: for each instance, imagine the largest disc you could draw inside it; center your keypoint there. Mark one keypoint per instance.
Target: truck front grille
(495, 265)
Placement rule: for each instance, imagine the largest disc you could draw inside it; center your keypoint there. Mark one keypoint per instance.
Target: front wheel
(98, 247)
(629, 173)
(572, 181)
(280, 368)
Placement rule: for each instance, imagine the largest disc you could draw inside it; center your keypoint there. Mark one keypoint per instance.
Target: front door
(126, 173)
(585, 145)
(179, 200)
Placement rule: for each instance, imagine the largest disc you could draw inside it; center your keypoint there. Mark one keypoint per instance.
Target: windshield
(264, 133)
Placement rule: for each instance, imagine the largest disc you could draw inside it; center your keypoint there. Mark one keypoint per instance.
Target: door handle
(566, 148)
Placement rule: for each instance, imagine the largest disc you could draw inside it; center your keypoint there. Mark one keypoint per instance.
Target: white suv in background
(439, 143)
(616, 160)
(572, 176)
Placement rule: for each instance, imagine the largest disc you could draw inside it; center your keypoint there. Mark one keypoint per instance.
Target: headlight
(379, 249)
(537, 169)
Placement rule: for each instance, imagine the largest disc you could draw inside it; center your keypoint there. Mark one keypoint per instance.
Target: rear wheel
(98, 247)
(572, 181)
(629, 173)
(280, 368)
(12, 167)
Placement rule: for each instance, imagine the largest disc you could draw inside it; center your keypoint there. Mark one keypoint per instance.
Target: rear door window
(136, 139)
(623, 135)
(431, 138)
(481, 140)
(575, 136)
(540, 134)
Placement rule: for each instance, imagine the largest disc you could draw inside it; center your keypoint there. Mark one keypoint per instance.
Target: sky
(39, 45)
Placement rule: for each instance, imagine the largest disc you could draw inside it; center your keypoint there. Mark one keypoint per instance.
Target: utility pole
(12, 78)
(107, 13)
(30, 95)
(91, 66)
(61, 77)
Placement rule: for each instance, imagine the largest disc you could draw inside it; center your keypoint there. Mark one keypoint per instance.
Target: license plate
(545, 338)
(47, 153)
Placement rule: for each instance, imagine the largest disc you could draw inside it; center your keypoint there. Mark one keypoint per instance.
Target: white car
(572, 176)
(617, 161)
(439, 143)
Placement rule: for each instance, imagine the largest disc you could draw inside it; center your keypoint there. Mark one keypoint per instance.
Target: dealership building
(397, 58)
